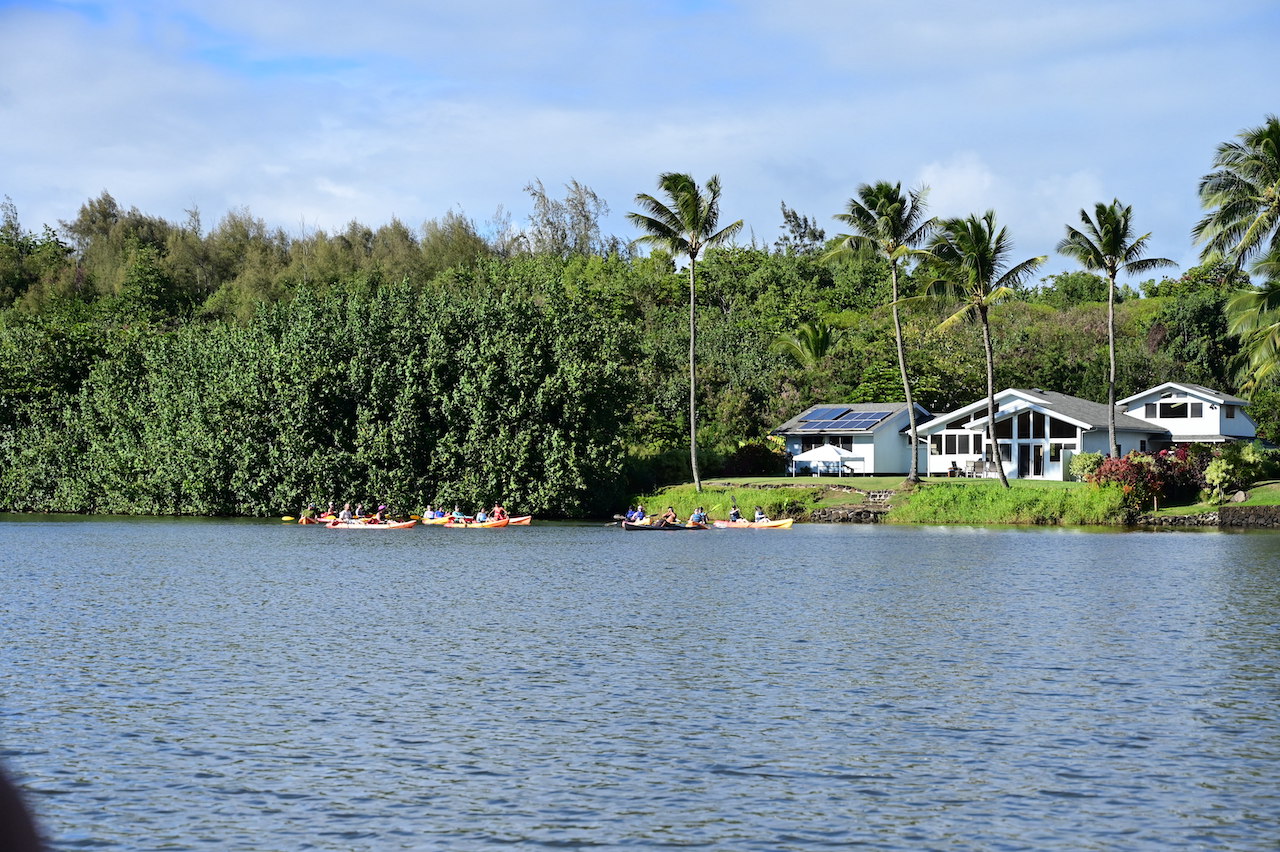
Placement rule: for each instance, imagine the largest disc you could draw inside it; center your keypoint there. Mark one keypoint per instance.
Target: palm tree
(1105, 243)
(969, 258)
(808, 344)
(890, 227)
(686, 226)
(1243, 196)
(1254, 316)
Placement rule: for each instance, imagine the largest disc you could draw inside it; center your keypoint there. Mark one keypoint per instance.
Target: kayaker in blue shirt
(698, 517)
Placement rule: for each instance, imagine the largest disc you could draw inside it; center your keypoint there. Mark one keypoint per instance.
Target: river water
(182, 684)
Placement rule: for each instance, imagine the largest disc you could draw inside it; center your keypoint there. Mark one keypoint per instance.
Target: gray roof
(1092, 414)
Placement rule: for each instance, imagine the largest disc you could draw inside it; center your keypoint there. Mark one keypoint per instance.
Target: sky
(312, 114)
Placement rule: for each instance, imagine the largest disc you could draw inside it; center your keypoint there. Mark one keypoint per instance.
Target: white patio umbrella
(827, 454)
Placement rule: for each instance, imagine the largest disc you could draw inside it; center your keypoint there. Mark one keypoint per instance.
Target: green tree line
(159, 367)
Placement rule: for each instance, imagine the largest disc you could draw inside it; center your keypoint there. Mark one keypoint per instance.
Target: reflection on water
(186, 685)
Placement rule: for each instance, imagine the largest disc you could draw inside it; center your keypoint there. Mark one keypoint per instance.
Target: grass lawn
(1260, 494)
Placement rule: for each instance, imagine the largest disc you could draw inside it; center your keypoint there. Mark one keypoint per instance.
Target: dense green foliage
(153, 366)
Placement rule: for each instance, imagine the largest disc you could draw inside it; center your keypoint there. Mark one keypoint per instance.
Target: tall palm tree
(686, 225)
(1105, 243)
(970, 262)
(1254, 316)
(1243, 196)
(893, 228)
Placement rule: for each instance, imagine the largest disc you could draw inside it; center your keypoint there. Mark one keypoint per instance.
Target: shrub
(1084, 465)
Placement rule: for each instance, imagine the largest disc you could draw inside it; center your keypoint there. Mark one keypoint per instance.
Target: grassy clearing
(783, 501)
(1025, 502)
(1260, 494)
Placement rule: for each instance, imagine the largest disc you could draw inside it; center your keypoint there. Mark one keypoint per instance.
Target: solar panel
(873, 416)
(825, 413)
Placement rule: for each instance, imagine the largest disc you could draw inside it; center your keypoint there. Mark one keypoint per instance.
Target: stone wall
(1261, 517)
(848, 515)
(1207, 519)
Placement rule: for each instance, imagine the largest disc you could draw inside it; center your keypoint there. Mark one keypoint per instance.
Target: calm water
(229, 685)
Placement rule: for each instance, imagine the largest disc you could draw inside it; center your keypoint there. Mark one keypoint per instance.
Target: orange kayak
(361, 525)
(784, 524)
(522, 521)
(472, 525)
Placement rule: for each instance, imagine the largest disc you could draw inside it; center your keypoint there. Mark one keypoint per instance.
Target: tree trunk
(914, 475)
(693, 383)
(1112, 449)
(991, 397)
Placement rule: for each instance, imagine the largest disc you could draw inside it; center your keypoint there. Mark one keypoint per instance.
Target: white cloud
(321, 113)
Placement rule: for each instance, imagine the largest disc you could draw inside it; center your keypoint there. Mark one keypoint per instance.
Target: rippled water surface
(229, 685)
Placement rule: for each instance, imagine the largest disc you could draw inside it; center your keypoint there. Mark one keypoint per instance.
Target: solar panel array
(840, 418)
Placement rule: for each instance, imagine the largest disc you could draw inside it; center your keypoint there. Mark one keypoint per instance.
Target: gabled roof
(1207, 394)
(844, 418)
(1080, 412)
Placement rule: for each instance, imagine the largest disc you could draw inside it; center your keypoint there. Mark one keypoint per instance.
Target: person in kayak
(735, 516)
(669, 517)
(640, 515)
(345, 514)
(761, 517)
(498, 513)
(698, 517)
(482, 516)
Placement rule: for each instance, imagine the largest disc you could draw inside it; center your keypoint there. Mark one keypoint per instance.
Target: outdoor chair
(970, 469)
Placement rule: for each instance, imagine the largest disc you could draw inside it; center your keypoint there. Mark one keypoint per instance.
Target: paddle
(288, 518)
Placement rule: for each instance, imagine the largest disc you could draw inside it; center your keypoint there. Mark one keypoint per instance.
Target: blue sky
(311, 114)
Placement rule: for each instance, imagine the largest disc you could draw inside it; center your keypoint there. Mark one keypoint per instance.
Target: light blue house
(873, 434)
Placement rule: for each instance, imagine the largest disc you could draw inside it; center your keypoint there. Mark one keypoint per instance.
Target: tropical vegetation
(156, 366)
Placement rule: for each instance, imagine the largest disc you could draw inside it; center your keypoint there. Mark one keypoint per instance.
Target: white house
(1036, 433)
(1192, 413)
(874, 433)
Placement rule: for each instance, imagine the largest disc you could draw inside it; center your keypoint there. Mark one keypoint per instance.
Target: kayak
(360, 525)
(784, 524)
(661, 527)
(483, 525)
(522, 521)
(436, 521)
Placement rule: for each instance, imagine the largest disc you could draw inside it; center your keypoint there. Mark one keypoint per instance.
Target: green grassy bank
(1024, 502)
(935, 501)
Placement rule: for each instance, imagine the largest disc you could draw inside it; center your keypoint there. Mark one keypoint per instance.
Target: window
(1142, 446)
(935, 445)
(1197, 409)
(962, 445)
(1055, 451)
(977, 445)
(1231, 412)
(1005, 452)
(1061, 429)
(1004, 428)
(1175, 410)
(1149, 411)
(951, 445)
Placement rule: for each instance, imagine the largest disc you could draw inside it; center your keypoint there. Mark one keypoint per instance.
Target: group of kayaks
(659, 525)
(447, 522)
